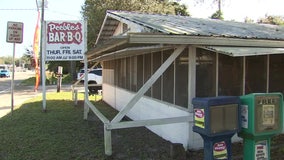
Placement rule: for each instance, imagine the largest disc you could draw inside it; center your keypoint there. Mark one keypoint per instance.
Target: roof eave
(154, 39)
(204, 40)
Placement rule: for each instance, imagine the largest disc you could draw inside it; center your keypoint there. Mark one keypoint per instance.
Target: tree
(28, 58)
(6, 60)
(219, 13)
(275, 20)
(180, 9)
(249, 20)
(94, 11)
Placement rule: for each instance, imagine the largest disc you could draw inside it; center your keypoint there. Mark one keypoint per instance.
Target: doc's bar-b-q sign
(65, 40)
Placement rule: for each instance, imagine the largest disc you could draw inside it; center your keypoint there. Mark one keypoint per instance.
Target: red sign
(64, 33)
(199, 113)
(221, 146)
(65, 40)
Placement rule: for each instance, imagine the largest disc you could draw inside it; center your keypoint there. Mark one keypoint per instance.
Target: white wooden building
(153, 65)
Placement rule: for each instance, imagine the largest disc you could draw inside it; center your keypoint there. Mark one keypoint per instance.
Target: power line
(35, 9)
(19, 9)
(61, 13)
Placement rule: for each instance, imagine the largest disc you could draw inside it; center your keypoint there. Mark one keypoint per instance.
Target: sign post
(59, 77)
(14, 35)
(62, 41)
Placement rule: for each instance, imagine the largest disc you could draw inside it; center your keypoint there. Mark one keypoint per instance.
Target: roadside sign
(14, 32)
(65, 40)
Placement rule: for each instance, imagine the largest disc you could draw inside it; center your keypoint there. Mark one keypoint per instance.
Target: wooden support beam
(148, 122)
(97, 112)
(107, 138)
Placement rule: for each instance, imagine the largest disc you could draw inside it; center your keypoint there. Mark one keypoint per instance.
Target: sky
(236, 10)
(25, 11)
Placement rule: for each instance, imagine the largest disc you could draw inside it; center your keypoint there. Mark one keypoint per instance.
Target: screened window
(133, 70)
(276, 74)
(140, 73)
(107, 70)
(121, 71)
(168, 79)
(205, 73)
(132, 73)
(157, 86)
(230, 75)
(256, 68)
(128, 73)
(181, 83)
(147, 71)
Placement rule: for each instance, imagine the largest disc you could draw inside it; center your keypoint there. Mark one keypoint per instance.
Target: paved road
(5, 83)
(21, 93)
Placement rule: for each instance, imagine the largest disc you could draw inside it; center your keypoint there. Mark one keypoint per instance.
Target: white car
(94, 77)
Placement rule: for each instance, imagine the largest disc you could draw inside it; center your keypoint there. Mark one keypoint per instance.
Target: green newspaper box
(261, 118)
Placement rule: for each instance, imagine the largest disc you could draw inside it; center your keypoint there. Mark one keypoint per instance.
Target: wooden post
(107, 137)
(75, 94)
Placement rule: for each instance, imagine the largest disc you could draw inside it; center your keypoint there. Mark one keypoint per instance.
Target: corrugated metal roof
(246, 51)
(227, 37)
(172, 24)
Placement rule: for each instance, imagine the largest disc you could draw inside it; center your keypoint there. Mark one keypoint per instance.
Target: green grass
(60, 133)
(66, 79)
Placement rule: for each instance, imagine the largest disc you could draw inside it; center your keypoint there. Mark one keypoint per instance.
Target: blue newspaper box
(217, 119)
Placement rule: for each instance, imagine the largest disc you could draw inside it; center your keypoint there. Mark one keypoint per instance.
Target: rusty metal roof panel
(172, 24)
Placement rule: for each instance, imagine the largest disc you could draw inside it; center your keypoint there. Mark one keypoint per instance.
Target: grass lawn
(60, 133)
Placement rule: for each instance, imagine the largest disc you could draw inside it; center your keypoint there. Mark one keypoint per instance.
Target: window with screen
(181, 81)
(230, 75)
(276, 80)
(140, 72)
(168, 79)
(157, 86)
(133, 73)
(147, 71)
(205, 73)
(256, 73)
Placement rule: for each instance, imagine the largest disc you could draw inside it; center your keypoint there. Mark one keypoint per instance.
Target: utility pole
(42, 59)
(220, 5)
(41, 41)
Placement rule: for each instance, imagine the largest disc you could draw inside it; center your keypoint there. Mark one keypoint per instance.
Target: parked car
(94, 77)
(4, 73)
